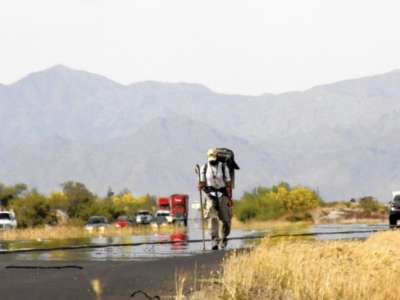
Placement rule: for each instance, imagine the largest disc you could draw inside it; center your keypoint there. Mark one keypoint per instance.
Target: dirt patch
(348, 216)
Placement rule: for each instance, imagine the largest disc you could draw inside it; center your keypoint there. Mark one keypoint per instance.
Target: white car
(166, 214)
(143, 217)
(8, 220)
(161, 218)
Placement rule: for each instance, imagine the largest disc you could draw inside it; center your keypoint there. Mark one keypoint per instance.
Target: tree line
(79, 203)
(75, 200)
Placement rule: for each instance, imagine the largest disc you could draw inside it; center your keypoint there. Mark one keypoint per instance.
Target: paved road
(118, 280)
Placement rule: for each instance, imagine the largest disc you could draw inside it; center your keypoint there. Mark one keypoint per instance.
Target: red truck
(163, 203)
(177, 205)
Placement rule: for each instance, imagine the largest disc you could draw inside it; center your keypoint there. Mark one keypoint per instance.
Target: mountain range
(63, 124)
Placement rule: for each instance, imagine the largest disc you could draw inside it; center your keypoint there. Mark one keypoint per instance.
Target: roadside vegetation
(73, 205)
(310, 270)
(62, 232)
(263, 207)
(280, 201)
(282, 204)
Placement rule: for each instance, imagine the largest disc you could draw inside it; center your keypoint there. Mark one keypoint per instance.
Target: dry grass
(274, 225)
(179, 286)
(75, 232)
(312, 270)
(255, 224)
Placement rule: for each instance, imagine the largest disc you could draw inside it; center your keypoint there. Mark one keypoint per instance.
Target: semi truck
(164, 203)
(177, 205)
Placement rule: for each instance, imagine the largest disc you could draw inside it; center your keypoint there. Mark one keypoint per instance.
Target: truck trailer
(177, 205)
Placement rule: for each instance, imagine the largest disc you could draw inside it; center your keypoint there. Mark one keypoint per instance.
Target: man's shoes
(224, 243)
(215, 247)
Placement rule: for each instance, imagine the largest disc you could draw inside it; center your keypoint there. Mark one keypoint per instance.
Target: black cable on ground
(250, 237)
(44, 267)
(140, 292)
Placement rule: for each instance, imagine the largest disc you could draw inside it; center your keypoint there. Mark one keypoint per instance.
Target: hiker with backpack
(216, 181)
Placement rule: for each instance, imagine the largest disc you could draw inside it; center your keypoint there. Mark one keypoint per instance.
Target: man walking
(215, 181)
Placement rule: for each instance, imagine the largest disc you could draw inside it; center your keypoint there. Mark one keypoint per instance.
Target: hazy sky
(246, 47)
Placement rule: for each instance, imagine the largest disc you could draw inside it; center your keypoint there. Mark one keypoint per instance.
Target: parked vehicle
(164, 203)
(394, 209)
(143, 217)
(122, 222)
(179, 208)
(8, 220)
(176, 205)
(161, 217)
(97, 223)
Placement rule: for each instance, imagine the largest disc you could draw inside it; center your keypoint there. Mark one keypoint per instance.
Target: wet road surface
(116, 279)
(143, 252)
(181, 247)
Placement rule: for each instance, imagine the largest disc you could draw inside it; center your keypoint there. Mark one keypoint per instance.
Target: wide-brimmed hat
(212, 154)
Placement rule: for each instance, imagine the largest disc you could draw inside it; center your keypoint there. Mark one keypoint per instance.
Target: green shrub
(300, 217)
(369, 204)
(272, 203)
(33, 209)
(246, 211)
(9, 193)
(78, 198)
(95, 207)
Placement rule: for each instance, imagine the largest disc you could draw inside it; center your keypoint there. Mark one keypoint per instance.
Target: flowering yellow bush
(300, 199)
(58, 199)
(275, 202)
(128, 203)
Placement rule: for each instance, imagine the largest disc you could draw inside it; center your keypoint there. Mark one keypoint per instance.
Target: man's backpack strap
(205, 171)
(223, 171)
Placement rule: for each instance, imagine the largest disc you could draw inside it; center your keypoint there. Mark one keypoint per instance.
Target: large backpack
(227, 157)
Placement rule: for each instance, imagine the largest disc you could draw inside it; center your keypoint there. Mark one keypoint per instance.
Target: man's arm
(228, 184)
(201, 185)
(229, 189)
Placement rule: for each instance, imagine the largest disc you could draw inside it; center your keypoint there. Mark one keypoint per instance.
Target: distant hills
(63, 124)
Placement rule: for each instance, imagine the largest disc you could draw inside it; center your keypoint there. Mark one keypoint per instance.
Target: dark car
(96, 223)
(394, 210)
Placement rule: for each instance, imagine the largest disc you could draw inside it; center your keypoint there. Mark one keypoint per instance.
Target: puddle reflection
(179, 235)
